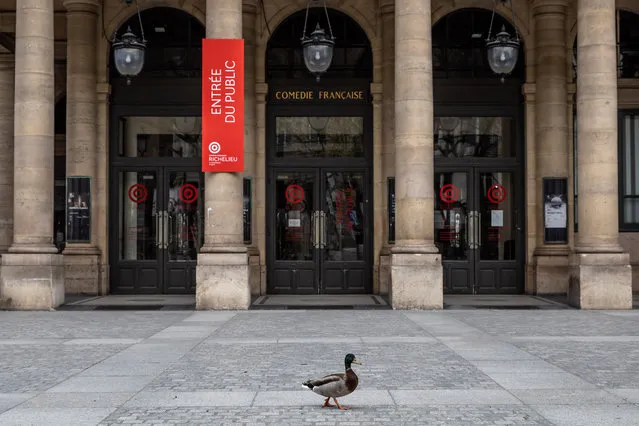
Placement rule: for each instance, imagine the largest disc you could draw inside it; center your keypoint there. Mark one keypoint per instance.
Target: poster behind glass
(78, 209)
(555, 197)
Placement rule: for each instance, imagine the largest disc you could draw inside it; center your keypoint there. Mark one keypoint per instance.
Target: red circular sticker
(496, 194)
(449, 193)
(294, 193)
(138, 193)
(188, 193)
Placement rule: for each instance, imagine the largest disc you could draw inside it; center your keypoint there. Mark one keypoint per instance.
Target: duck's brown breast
(351, 380)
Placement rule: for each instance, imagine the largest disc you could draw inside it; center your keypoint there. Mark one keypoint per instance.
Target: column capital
(387, 7)
(249, 6)
(86, 6)
(529, 90)
(377, 89)
(7, 62)
(542, 7)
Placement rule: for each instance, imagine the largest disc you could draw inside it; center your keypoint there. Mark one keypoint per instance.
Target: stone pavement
(454, 367)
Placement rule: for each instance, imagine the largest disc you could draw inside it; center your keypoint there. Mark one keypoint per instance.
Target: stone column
(601, 271)
(32, 272)
(551, 262)
(416, 268)
(82, 259)
(528, 90)
(7, 89)
(249, 12)
(223, 264)
(387, 8)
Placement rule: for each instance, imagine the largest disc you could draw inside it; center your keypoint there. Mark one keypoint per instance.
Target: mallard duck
(336, 385)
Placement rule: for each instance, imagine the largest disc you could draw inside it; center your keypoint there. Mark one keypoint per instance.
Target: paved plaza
(453, 367)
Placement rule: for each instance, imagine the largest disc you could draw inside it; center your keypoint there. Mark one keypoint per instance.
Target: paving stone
(430, 415)
(35, 368)
(609, 365)
(285, 366)
(445, 367)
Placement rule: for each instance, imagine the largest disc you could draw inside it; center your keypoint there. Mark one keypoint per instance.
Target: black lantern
(503, 50)
(318, 48)
(128, 51)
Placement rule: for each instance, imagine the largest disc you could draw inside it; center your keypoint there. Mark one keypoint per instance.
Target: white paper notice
(497, 218)
(294, 223)
(556, 215)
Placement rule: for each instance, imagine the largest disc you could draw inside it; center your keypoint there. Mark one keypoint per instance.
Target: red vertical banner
(222, 105)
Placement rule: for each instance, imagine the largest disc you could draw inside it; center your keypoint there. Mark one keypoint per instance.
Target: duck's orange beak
(356, 362)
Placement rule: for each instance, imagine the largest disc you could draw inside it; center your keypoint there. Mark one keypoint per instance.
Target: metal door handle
(471, 230)
(317, 228)
(158, 230)
(478, 230)
(323, 236)
(165, 226)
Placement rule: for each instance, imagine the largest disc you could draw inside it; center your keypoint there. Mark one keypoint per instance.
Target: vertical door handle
(323, 234)
(471, 230)
(165, 226)
(317, 229)
(158, 229)
(478, 230)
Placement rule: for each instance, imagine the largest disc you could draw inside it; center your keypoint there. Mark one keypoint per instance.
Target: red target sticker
(294, 194)
(138, 193)
(449, 193)
(496, 194)
(188, 193)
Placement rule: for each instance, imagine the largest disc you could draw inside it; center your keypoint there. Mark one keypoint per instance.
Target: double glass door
(478, 230)
(159, 230)
(319, 231)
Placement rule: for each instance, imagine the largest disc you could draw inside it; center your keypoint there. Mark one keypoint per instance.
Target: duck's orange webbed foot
(341, 407)
(327, 403)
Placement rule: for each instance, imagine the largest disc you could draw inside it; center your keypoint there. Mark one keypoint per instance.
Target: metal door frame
(163, 264)
(319, 203)
(474, 261)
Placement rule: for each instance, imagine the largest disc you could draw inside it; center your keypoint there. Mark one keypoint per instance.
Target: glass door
(182, 234)
(477, 230)
(345, 239)
(294, 232)
(498, 232)
(455, 234)
(159, 230)
(319, 232)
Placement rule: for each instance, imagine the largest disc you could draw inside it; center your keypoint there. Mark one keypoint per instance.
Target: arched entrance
(479, 159)
(319, 162)
(156, 189)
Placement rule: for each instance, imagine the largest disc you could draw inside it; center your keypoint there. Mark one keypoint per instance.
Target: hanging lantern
(317, 48)
(503, 50)
(128, 55)
(129, 50)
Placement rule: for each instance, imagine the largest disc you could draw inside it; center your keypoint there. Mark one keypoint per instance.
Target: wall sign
(319, 95)
(78, 209)
(222, 105)
(247, 210)
(555, 205)
(391, 209)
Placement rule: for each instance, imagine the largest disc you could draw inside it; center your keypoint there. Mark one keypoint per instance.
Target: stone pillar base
(81, 270)
(33, 281)
(552, 272)
(601, 281)
(254, 271)
(222, 281)
(384, 271)
(417, 281)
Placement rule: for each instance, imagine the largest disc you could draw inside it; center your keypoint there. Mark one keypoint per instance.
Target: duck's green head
(350, 359)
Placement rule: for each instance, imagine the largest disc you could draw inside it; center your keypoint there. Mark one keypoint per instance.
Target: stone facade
(594, 269)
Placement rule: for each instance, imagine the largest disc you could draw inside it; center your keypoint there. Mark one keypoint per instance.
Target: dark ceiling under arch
(352, 58)
(459, 44)
(174, 43)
